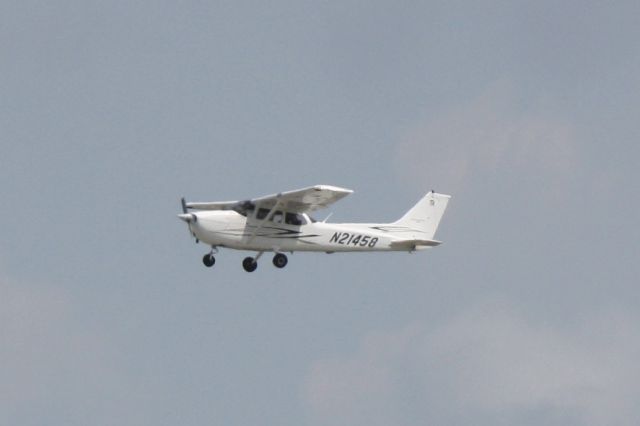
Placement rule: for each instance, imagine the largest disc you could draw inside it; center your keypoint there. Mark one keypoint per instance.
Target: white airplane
(281, 223)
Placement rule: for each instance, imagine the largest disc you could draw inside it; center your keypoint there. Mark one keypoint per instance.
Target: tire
(280, 260)
(249, 264)
(208, 260)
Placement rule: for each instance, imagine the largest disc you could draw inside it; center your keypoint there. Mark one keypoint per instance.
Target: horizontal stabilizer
(411, 245)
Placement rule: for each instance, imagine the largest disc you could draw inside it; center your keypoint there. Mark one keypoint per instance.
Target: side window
(277, 217)
(294, 219)
(262, 213)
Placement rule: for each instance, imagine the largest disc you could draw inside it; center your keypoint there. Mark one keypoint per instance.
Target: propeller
(186, 216)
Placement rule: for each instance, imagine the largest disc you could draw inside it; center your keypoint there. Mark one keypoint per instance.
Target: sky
(525, 112)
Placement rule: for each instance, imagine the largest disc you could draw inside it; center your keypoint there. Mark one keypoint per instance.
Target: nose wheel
(280, 260)
(208, 260)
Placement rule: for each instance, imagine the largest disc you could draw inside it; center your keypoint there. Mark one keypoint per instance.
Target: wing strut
(267, 218)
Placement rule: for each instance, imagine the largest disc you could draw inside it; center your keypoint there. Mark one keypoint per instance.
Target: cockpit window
(245, 208)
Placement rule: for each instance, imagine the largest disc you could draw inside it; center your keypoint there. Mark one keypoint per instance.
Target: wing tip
(332, 188)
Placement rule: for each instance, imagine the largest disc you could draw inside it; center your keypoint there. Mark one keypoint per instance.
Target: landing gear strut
(280, 260)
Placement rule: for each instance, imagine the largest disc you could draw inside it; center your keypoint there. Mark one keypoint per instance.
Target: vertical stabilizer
(425, 216)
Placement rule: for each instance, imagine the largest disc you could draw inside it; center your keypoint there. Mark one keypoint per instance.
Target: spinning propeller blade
(186, 216)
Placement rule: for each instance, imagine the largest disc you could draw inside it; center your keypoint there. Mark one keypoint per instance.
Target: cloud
(52, 365)
(489, 365)
(492, 132)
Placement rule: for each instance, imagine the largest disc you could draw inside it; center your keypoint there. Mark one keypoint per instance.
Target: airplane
(281, 223)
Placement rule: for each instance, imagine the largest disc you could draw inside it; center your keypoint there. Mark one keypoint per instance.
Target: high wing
(303, 200)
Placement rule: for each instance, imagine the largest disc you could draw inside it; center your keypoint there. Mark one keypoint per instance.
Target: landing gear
(208, 260)
(280, 260)
(249, 264)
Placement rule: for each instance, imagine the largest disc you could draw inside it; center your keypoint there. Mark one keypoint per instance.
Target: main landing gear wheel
(249, 264)
(280, 260)
(208, 260)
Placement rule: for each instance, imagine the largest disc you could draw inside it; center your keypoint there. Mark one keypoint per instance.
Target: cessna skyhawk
(280, 223)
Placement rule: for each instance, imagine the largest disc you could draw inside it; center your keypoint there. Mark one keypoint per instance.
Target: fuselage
(233, 230)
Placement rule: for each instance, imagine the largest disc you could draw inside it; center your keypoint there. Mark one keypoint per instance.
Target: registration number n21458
(346, 239)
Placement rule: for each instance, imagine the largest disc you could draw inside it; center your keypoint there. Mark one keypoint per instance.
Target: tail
(423, 218)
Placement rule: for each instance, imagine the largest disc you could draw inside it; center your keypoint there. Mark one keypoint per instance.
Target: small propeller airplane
(280, 223)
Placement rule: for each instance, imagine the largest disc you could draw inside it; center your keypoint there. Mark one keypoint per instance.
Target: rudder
(425, 216)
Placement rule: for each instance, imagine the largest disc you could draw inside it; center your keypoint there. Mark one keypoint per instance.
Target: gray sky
(526, 112)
